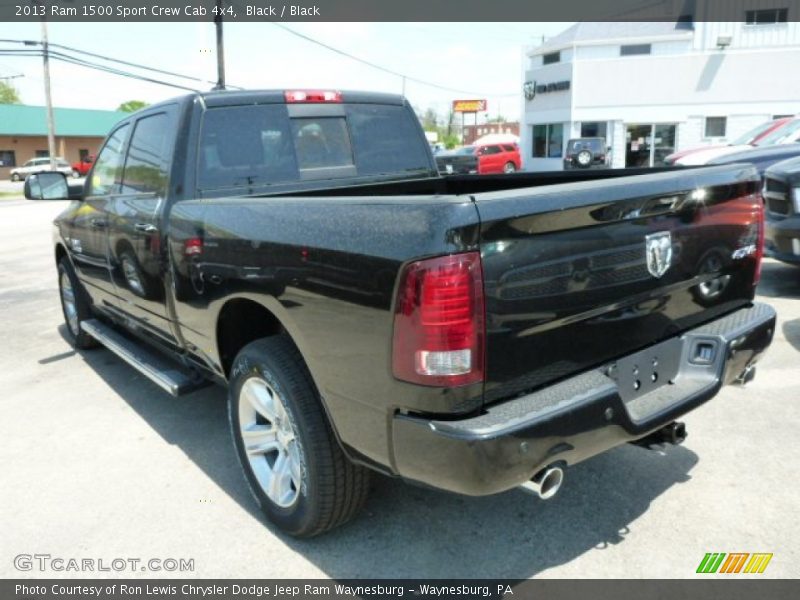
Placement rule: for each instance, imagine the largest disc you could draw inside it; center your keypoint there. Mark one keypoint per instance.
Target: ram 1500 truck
(467, 333)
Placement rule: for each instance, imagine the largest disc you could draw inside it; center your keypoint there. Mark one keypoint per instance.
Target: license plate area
(647, 370)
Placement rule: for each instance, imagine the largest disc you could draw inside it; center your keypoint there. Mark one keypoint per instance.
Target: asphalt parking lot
(97, 462)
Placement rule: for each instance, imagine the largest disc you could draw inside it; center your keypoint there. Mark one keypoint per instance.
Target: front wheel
(509, 167)
(76, 174)
(74, 305)
(15, 177)
(294, 466)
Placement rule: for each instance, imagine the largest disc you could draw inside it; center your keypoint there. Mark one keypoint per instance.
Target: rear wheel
(294, 466)
(76, 174)
(15, 177)
(74, 305)
(509, 167)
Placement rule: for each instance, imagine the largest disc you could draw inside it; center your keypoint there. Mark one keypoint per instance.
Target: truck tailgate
(578, 275)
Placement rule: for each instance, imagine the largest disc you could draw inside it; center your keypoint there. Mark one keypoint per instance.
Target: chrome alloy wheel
(70, 307)
(270, 442)
(713, 287)
(132, 276)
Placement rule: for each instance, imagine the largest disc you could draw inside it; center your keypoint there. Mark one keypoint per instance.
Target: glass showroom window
(548, 140)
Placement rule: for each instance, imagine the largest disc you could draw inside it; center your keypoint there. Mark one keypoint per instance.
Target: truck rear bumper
(582, 416)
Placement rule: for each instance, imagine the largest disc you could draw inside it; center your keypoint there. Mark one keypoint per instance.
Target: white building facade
(653, 88)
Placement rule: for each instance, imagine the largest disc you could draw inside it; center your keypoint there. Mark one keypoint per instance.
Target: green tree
(9, 94)
(132, 106)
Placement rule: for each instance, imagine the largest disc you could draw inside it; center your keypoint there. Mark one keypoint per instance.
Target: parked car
(782, 198)
(788, 133)
(498, 158)
(586, 153)
(81, 167)
(364, 313)
(752, 137)
(483, 159)
(39, 165)
(762, 158)
(460, 161)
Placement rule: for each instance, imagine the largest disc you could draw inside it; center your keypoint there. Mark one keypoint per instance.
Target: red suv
(81, 168)
(498, 158)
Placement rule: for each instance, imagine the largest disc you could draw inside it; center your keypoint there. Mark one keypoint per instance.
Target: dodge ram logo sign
(658, 247)
(529, 89)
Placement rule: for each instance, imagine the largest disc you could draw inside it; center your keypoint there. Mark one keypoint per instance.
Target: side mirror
(50, 185)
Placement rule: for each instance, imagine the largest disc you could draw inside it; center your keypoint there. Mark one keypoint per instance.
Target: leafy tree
(132, 106)
(9, 94)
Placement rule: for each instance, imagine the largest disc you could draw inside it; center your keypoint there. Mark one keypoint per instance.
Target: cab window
(148, 156)
(107, 173)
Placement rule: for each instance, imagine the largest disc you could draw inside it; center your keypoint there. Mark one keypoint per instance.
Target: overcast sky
(484, 59)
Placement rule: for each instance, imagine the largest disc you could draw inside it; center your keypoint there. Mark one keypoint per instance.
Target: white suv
(38, 165)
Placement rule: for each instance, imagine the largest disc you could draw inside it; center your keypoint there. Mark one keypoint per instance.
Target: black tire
(333, 489)
(15, 177)
(509, 167)
(79, 339)
(76, 174)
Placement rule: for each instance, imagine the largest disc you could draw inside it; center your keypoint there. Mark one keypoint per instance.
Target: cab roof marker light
(312, 96)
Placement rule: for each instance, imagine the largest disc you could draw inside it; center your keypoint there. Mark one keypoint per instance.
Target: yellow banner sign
(469, 105)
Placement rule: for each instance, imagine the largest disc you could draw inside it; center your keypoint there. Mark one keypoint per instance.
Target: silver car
(38, 165)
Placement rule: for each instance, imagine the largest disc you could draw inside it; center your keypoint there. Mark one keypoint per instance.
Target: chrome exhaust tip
(546, 482)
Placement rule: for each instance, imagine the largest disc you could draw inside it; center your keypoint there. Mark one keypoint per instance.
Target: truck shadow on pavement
(779, 280)
(409, 531)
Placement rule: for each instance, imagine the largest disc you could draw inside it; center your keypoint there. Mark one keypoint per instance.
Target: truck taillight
(193, 246)
(294, 96)
(439, 329)
(759, 243)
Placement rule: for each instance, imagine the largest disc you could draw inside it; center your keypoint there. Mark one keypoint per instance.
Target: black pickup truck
(468, 333)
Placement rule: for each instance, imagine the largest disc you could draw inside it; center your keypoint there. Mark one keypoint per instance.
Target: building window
(593, 129)
(715, 126)
(83, 153)
(8, 158)
(634, 49)
(766, 17)
(548, 140)
(553, 57)
(774, 117)
(42, 154)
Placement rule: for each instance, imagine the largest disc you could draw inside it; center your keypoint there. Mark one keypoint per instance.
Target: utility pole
(220, 48)
(48, 98)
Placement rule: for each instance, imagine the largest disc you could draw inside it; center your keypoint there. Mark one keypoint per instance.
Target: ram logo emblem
(658, 247)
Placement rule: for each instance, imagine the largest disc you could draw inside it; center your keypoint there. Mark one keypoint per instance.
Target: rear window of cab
(260, 145)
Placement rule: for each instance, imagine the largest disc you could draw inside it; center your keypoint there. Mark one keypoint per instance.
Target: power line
(385, 69)
(115, 60)
(83, 63)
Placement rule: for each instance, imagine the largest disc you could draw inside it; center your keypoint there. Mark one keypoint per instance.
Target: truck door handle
(145, 227)
(98, 223)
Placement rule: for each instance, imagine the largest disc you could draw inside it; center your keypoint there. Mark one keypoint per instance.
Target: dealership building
(23, 133)
(651, 88)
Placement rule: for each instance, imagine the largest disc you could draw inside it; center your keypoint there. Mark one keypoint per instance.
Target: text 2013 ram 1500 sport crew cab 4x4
(467, 333)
